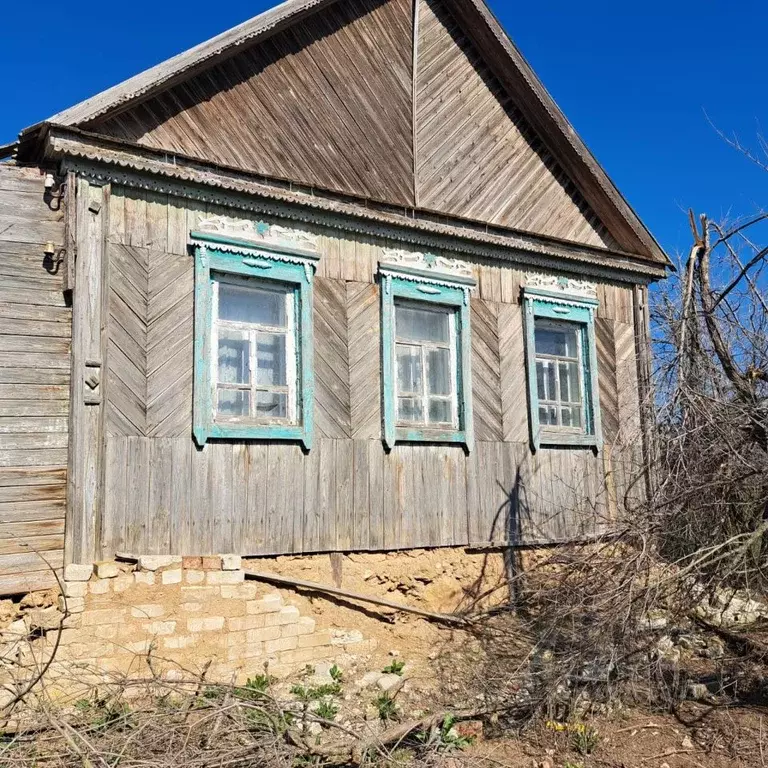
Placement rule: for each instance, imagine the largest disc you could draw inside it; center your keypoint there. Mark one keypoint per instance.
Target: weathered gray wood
(85, 448)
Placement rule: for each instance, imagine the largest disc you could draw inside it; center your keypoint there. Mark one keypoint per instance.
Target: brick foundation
(173, 617)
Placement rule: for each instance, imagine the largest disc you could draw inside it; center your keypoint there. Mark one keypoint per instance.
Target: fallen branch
(313, 586)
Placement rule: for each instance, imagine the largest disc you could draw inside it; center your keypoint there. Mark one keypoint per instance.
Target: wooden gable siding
(332, 102)
(163, 494)
(477, 157)
(327, 103)
(35, 337)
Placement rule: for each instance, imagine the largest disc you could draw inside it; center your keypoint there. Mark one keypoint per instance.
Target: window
(255, 361)
(253, 342)
(425, 351)
(562, 371)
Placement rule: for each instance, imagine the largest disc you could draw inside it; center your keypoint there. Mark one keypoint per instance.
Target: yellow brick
(235, 638)
(207, 624)
(261, 635)
(224, 577)
(299, 656)
(269, 604)
(106, 631)
(282, 644)
(312, 641)
(289, 630)
(179, 641)
(237, 623)
(103, 616)
(306, 625)
(150, 611)
(160, 627)
(247, 651)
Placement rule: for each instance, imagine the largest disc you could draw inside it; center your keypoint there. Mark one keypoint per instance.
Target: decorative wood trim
(105, 160)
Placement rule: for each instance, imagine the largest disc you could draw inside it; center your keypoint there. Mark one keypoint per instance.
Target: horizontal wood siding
(163, 494)
(325, 103)
(35, 336)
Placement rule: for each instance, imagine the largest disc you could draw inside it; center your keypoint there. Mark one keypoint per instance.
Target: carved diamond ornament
(259, 232)
(563, 285)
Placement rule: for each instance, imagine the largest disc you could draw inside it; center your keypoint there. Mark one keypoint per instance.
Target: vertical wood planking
(85, 448)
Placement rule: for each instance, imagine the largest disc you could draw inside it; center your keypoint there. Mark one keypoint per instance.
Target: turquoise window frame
(426, 287)
(579, 311)
(216, 255)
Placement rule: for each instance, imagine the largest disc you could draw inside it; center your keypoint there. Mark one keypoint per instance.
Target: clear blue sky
(635, 79)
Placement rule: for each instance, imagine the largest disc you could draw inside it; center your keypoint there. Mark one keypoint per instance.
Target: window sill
(247, 432)
(555, 439)
(447, 437)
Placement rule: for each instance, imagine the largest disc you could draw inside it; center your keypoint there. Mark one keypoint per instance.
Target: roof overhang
(108, 160)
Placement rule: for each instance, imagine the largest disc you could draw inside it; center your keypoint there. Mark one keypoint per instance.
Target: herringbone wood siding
(363, 312)
(149, 357)
(332, 407)
(606, 371)
(165, 494)
(514, 399)
(486, 371)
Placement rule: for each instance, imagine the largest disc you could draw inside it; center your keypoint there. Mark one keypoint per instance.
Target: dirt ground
(699, 736)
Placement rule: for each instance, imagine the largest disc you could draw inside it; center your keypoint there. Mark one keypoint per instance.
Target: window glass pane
(439, 372)
(545, 379)
(571, 417)
(234, 402)
(252, 305)
(271, 360)
(570, 391)
(548, 416)
(556, 342)
(440, 412)
(271, 405)
(414, 324)
(234, 358)
(410, 409)
(408, 369)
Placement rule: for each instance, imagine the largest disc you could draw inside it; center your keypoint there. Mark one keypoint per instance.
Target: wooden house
(342, 278)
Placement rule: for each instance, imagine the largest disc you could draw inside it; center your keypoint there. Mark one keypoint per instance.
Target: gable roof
(605, 205)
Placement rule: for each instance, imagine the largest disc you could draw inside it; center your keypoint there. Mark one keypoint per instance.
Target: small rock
(44, 619)
(687, 743)
(698, 691)
(77, 572)
(369, 679)
(107, 570)
(230, 562)
(341, 637)
(314, 729)
(153, 562)
(390, 683)
(394, 654)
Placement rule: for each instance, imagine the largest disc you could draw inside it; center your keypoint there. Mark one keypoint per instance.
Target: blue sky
(635, 79)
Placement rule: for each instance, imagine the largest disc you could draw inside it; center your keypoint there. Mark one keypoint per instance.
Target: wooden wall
(342, 101)
(35, 331)
(163, 494)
